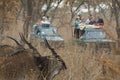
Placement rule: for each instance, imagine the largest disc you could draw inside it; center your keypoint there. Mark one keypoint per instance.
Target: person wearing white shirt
(45, 23)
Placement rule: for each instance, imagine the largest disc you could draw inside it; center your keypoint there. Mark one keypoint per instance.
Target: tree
(34, 12)
(116, 11)
(8, 13)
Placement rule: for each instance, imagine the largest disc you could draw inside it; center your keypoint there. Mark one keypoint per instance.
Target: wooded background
(30, 11)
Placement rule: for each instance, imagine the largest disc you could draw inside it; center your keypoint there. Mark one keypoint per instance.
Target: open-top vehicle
(50, 33)
(93, 34)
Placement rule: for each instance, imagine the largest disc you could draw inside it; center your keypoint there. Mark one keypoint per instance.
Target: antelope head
(50, 66)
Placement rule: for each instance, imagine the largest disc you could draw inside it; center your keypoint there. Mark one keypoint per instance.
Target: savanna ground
(83, 63)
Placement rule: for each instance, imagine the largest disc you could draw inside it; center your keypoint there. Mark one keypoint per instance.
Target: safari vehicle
(94, 34)
(50, 33)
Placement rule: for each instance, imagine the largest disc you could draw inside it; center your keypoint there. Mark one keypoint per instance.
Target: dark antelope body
(25, 64)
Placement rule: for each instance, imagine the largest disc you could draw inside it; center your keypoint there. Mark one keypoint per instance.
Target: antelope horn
(52, 49)
(15, 41)
(36, 53)
(54, 53)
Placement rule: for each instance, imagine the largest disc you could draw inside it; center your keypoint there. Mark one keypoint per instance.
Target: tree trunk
(26, 26)
(89, 12)
(116, 14)
(2, 18)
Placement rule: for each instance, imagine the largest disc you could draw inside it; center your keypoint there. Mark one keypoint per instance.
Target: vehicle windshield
(48, 31)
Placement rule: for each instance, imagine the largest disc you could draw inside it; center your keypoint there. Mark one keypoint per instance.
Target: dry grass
(102, 78)
(113, 63)
(18, 67)
(81, 63)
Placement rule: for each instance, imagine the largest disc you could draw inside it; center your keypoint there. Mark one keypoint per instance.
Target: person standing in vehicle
(100, 21)
(36, 28)
(89, 19)
(44, 22)
(80, 18)
(76, 28)
(92, 21)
